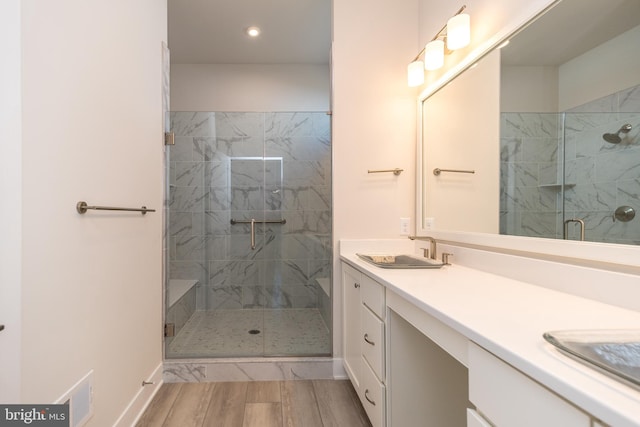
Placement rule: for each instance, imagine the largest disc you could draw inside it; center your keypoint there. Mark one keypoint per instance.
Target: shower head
(614, 138)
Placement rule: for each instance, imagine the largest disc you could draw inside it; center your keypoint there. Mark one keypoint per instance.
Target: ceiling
(576, 26)
(213, 31)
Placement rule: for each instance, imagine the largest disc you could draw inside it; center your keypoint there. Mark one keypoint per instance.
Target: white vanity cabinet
(364, 340)
(351, 285)
(414, 366)
(474, 419)
(507, 397)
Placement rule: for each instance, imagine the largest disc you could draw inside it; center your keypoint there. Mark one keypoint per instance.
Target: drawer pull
(366, 396)
(367, 340)
(356, 285)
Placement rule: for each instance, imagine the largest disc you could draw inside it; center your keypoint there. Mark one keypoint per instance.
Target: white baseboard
(338, 369)
(141, 400)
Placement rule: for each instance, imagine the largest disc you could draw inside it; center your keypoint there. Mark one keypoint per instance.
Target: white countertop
(508, 317)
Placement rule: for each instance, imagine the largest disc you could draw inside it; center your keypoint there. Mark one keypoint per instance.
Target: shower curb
(250, 369)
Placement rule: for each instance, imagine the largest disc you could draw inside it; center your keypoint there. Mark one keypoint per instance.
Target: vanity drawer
(507, 397)
(372, 294)
(372, 395)
(372, 344)
(475, 420)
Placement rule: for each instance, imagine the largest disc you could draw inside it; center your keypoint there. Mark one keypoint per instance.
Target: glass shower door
(247, 250)
(602, 189)
(249, 221)
(298, 262)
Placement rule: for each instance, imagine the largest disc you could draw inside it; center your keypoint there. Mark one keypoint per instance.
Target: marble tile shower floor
(226, 333)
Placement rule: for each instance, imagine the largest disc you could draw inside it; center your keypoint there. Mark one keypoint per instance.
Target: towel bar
(82, 208)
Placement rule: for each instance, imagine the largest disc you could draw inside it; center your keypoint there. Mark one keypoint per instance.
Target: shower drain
(254, 331)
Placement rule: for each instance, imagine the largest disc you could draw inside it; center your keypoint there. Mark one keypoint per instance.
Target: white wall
(374, 122)
(11, 211)
(92, 130)
(249, 87)
(604, 70)
(373, 116)
(529, 89)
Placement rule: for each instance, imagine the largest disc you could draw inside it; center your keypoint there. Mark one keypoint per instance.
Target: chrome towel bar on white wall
(437, 171)
(82, 208)
(395, 171)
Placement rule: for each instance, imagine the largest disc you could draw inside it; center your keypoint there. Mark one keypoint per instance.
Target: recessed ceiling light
(253, 31)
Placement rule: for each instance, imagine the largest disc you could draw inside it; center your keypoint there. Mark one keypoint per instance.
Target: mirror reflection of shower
(615, 138)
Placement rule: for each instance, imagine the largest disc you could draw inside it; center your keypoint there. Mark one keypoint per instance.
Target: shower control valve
(624, 214)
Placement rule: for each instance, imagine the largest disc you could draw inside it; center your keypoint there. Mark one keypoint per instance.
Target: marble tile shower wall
(530, 174)
(596, 176)
(266, 166)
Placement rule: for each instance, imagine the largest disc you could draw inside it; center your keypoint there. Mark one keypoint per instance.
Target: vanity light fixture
(434, 55)
(458, 31)
(253, 31)
(416, 73)
(456, 34)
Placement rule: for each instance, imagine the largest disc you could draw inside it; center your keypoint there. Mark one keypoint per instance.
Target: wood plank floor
(303, 403)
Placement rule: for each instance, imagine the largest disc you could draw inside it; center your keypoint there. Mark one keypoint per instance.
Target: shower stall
(248, 221)
(573, 175)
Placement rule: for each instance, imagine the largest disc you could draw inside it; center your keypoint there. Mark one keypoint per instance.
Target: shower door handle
(253, 234)
(253, 222)
(565, 234)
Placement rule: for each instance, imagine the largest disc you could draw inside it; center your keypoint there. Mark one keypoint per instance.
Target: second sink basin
(399, 261)
(613, 352)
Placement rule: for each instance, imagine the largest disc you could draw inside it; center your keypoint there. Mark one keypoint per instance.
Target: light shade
(415, 73)
(458, 31)
(434, 55)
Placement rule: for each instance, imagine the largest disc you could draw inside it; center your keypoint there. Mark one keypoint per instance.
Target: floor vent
(80, 401)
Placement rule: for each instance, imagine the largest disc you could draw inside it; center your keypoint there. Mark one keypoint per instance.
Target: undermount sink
(399, 261)
(613, 352)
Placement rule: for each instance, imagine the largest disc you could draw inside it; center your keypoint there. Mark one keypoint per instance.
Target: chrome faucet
(432, 245)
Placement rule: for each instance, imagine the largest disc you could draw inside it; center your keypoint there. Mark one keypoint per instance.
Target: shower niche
(249, 221)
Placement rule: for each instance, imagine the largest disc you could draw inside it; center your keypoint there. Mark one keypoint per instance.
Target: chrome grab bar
(565, 234)
(253, 223)
(82, 208)
(438, 171)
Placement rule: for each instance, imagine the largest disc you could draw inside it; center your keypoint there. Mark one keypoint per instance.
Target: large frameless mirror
(547, 141)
